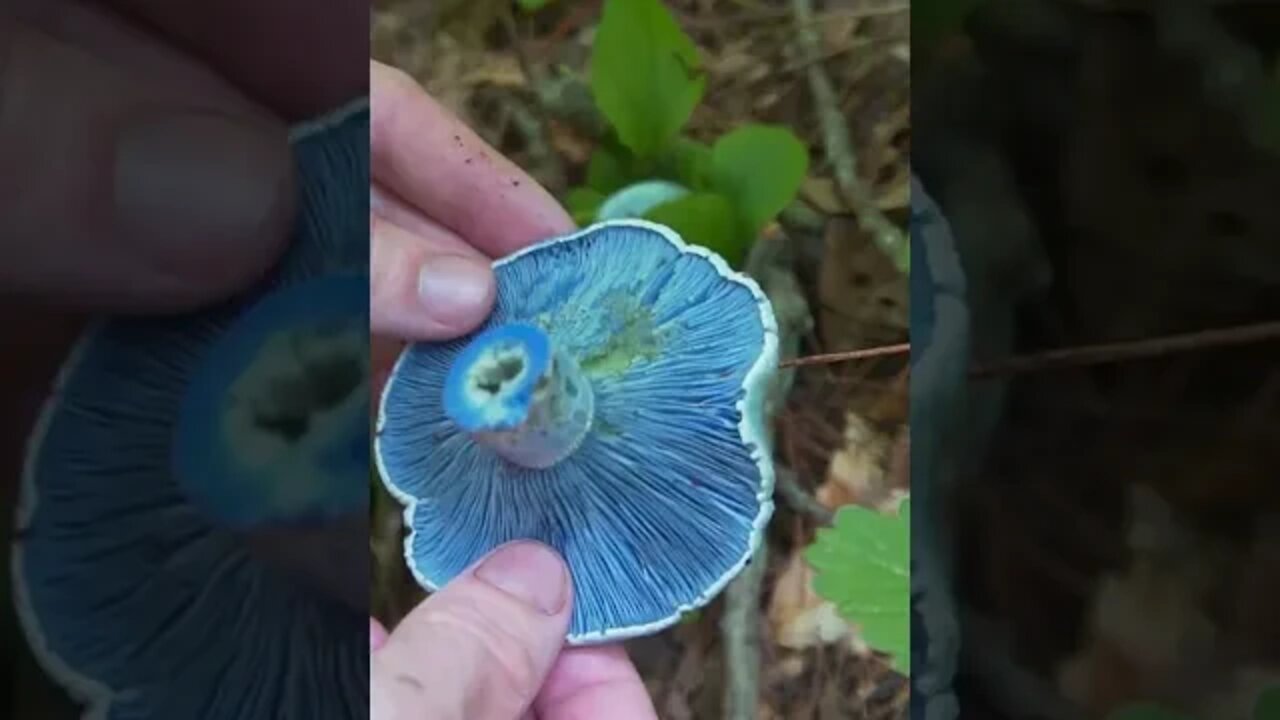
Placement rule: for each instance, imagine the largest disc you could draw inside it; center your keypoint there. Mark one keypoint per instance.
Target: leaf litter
(840, 429)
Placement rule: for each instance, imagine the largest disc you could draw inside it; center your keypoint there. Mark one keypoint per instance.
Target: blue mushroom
(633, 201)
(612, 407)
(196, 492)
(939, 373)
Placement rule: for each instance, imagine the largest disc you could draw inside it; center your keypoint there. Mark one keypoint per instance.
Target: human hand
(144, 161)
(444, 205)
(146, 142)
(489, 645)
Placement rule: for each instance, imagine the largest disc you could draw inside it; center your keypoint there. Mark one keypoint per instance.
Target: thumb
(480, 648)
(131, 185)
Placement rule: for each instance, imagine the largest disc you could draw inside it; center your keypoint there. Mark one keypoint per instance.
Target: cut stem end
(519, 396)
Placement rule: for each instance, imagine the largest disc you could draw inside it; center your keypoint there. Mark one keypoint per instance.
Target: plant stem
(740, 629)
(835, 133)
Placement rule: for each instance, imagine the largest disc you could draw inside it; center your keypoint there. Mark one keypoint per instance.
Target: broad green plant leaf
(582, 203)
(1268, 705)
(933, 21)
(760, 169)
(530, 6)
(644, 74)
(1267, 118)
(609, 169)
(688, 162)
(704, 219)
(863, 566)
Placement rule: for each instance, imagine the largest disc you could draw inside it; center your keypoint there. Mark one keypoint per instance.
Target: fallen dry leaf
(573, 145)
(1149, 636)
(858, 471)
(799, 618)
(493, 68)
(822, 193)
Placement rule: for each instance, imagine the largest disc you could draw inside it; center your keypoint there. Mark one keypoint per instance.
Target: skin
(113, 116)
(488, 646)
(75, 78)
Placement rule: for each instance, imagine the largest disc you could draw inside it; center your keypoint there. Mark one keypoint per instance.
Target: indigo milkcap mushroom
(939, 369)
(195, 494)
(634, 200)
(611, 407)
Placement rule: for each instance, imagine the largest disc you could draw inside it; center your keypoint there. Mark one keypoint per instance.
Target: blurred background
(834, 76)
(1110, 169)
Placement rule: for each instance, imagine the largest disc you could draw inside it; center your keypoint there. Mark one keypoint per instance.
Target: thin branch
(1085, 355)
(1134, 350)
(847, 355)
(835, 138)
(787, 487)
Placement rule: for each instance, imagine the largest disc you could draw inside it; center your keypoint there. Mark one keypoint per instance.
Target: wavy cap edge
(751, 429)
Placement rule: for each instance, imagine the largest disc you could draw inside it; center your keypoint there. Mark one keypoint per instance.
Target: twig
(787, 487)
(740, 629)
(835, 137)
(1078, 356)
(1137, 349)
(847, 355)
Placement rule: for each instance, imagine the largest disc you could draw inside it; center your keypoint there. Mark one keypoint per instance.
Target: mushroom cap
(939, 376)
(665, 499)
(133, 592)
(288, 454)
(635, 200)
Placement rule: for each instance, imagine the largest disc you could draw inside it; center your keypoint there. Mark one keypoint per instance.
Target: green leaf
(760, 168)
(1267, 118)
(532, 5)
(582, 203)
(643, 74)
(933, 21)
(609, 169)
(705, 219)
(1145, 711)
(689, 162)
(692, 618)
(1268, 706)
(863, 567)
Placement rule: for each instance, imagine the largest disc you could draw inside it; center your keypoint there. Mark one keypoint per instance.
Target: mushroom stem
(519, 396)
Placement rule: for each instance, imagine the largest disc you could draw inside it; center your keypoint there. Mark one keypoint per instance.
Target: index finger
(429, 158)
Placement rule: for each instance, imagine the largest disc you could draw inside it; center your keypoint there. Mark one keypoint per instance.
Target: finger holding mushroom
(611, 407)
(194, 504)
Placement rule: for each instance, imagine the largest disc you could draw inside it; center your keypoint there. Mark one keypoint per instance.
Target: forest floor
(521, 80)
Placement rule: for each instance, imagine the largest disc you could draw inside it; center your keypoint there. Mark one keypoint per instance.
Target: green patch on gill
(636, 339)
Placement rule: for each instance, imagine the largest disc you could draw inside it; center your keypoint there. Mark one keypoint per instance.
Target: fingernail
(530, 572)
(190, 181)
(454, 288)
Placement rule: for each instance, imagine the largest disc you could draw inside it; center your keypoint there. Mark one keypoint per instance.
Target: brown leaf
(822, 193)
(800, 618)
(495, 69)
(858, 471)
(864, 299)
